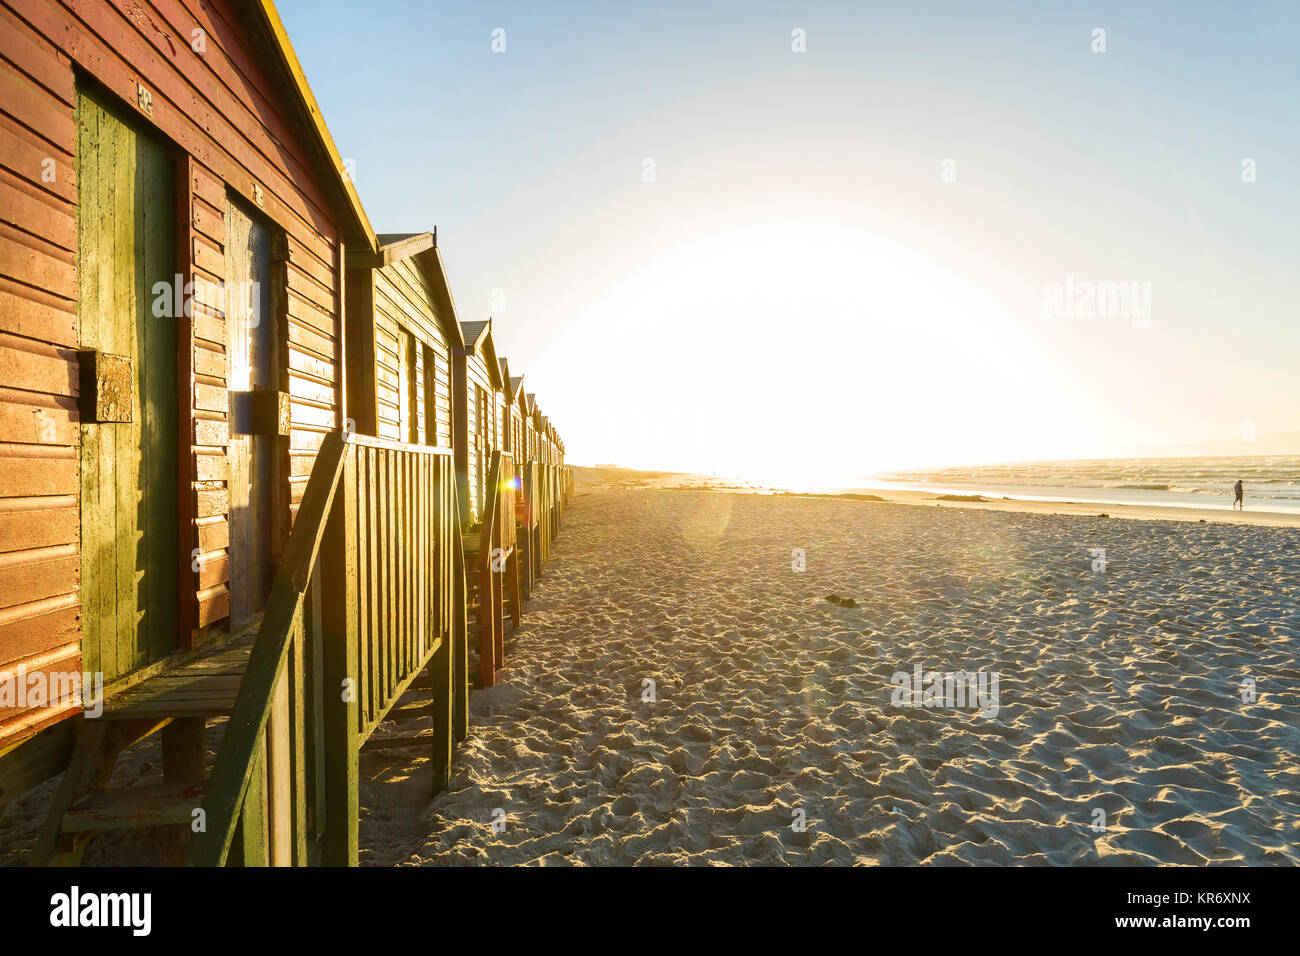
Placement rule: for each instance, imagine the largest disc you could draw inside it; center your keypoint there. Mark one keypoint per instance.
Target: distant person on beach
(1237, 502)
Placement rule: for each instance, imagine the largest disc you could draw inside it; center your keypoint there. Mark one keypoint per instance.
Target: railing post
(339, 584)
(442, 664)
(441, 670)
(459, 619)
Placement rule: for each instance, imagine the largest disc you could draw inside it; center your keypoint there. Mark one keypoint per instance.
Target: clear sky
(854, 257)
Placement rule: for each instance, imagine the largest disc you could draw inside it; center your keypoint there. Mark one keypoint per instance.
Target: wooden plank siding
(227, 101)
(402, 331)
(530, 425)
(477, 388)
(404, 306)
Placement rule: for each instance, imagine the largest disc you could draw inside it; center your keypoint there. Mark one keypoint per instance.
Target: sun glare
(816, 352)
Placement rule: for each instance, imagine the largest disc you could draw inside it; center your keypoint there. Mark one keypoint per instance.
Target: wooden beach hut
(542, 542)
(515, 400)
(484, 471)
(181, 511)
(476, 380)
(402, 335)
(530, 424)
(546, 483)
(528, 430)
(525, 477)
(503, 406)
(156, 433)
(557, 452)
(506, 416)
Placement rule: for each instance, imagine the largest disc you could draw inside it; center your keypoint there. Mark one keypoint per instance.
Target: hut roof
(357, 230)
(423, 247)
(516, 387)
(478, 338)
(473, 331)
(394, 246)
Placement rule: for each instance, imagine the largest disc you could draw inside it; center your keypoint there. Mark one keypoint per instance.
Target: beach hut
(476, 384)
(525, 477)
(175, 215)
(185, 512)
(546, 485)
(532, 486)
(514, 397)
(567, 471)
(541, 456)
(530, 425)
(503, 406)
(484, 472)
(510, 419)
(402, 335)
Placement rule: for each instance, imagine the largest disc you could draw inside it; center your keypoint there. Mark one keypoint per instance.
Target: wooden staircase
(492, 562)
(526, 526)
(178, 701)
(372, 597)
(367, 610)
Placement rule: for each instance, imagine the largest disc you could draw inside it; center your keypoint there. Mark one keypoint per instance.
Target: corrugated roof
(473, 331)
(479, 335)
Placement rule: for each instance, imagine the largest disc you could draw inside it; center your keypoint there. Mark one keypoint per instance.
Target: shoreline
(597, 478)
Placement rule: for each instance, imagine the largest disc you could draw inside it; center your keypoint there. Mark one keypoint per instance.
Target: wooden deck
(203, 686)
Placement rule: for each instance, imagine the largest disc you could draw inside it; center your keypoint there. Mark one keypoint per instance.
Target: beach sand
(1120, 692)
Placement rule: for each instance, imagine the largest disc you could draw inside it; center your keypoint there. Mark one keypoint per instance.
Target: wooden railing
(546, 496)
(526, 524)
(495, 559)
(371, 591)
(547, 489)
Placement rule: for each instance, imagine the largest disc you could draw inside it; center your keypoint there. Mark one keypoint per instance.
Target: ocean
(1271, 482)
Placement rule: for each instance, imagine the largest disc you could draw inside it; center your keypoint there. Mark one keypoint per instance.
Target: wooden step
(395, 741)
(149, 805)
(410, 711)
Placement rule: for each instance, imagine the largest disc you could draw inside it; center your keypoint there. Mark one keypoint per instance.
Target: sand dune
(1120, 692)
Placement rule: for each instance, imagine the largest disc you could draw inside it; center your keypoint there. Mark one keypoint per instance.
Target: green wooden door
(125, 244)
